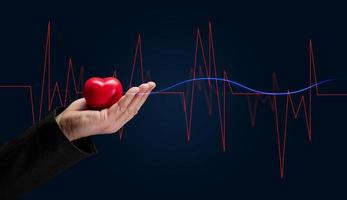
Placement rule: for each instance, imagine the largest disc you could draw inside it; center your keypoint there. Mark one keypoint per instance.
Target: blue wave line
(243, 86)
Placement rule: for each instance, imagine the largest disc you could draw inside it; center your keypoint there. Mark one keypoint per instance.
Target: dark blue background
(154, 160)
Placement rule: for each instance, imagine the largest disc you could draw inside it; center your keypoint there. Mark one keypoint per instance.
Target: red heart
(102, 92)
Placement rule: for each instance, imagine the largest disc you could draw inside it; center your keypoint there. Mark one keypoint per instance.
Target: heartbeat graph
(241, 86)
(210, 87)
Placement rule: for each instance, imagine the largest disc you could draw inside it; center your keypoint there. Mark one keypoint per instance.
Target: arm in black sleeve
(40, 153)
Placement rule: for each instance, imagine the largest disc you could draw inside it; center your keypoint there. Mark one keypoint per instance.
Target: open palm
(76, 121)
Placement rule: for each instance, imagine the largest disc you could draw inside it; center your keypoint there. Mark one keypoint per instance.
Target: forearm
(40, 153)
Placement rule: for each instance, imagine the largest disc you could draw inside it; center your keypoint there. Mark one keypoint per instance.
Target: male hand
(76, 121)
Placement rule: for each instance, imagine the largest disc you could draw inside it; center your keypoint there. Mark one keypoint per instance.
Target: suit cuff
(82, 147)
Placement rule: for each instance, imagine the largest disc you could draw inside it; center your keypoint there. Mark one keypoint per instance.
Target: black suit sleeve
(39, 153)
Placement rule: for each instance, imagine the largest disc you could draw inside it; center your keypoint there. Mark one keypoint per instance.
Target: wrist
(64, 128)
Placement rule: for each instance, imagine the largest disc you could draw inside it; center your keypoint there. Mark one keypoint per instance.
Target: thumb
(77, 105)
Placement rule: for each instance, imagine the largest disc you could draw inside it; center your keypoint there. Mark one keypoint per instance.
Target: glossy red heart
(102, 92)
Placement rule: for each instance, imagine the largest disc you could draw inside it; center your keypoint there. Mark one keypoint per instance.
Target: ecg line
(240, 85)
(209, 87)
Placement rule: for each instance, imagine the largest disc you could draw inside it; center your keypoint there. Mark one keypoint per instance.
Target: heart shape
(102, 93)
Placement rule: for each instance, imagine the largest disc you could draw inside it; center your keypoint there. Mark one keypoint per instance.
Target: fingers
(127, 107)
(136, 104)
(122, 105)
(144, 98)
(127, 98)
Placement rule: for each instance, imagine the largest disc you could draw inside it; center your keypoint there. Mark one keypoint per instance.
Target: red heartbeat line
(209, 89)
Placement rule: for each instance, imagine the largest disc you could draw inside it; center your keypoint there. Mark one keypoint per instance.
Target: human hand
(76, 121)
